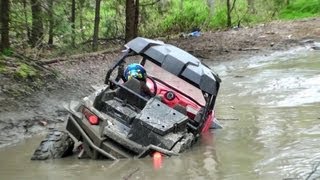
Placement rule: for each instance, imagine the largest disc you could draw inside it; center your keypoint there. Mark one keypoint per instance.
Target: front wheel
(57, 144)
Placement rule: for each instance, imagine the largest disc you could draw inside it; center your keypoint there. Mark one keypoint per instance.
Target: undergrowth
(2, 65)
(301, 9)
(26, 71)
(162, 18)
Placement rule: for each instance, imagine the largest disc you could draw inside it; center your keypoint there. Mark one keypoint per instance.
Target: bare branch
(233, 5)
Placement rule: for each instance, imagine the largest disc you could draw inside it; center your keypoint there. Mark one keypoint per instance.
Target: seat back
(134, 85)
(129, 96)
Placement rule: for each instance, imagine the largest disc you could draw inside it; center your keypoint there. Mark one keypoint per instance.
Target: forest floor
(25, 112)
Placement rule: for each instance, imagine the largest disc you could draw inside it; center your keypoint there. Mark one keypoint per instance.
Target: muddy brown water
(269, 107)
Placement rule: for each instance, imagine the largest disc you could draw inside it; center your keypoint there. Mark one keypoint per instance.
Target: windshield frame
(143, 59)
(192, 94)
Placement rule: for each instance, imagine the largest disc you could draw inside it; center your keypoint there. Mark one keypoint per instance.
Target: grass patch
(25, 71)
(301, 9)
(6, 52)
(194, 14)
(2, 67)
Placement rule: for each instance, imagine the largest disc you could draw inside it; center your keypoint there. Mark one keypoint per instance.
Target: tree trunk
(230, 8)
(4, 28)
(181, 5)
(132, 19)
(287, 2)
(211, 8)
(25, 13)
(73, 21)
(96, 26)
(136, 19)
(37, 23)
(81, 4)
(251, 7)
(228, 13)
(163, 6)
(51, 22)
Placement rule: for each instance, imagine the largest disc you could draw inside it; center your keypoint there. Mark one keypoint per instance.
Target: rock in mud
(315, 47)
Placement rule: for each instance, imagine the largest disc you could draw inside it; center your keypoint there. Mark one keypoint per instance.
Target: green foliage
(6, 52)
(2, 69)
(3, 54)
(219, 19)
(2, 65)
(162, 18)
(301, 9)
(25, 71)
(194, 14)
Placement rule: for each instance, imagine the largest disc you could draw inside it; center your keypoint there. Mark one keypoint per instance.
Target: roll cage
(175, 61)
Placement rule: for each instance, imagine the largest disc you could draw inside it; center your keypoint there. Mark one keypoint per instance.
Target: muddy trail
(268, 107)
(25, 115)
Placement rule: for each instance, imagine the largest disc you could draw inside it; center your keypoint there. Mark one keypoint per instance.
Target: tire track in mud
(25, 116)
(17, 126)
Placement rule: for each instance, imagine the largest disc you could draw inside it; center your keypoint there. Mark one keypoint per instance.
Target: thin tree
(251, 6)
(96, 26)
(73, 21)
(4, 20)
(229, 10)
(210, 4)
(37, 23)
(181, 5)
(287, 2)
(51, 21)
(25, 14)
(132, 19)
(228, 13)
(81, 7)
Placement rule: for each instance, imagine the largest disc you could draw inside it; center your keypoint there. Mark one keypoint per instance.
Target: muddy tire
(57, 144)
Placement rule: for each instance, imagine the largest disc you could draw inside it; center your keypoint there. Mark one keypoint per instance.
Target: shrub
(194, 14)
(25, 71)
(301, 9)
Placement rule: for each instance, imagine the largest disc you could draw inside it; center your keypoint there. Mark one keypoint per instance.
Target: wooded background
(71, 24)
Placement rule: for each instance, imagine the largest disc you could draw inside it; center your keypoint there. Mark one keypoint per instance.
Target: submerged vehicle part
(57, 144)
(120, 121)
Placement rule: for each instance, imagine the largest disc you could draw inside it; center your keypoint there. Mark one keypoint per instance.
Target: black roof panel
(177, 62)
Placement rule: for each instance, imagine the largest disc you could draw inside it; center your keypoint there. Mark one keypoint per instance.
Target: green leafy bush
(301, 9)
(25, 71)
(6, 52)
(2, 65)
(219, 19)
(157, 18)
(194, 14)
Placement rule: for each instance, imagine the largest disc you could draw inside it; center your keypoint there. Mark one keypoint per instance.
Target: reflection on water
(16, 164)
(276, 100)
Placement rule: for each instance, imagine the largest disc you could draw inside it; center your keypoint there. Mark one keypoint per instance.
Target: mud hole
(23, 116)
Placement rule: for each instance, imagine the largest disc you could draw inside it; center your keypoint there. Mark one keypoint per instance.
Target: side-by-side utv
(118, 121)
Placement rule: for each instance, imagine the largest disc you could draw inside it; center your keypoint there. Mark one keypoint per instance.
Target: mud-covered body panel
(127, 131)
(160, 118)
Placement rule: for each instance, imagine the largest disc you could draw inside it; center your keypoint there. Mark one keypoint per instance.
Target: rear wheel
(57, 144)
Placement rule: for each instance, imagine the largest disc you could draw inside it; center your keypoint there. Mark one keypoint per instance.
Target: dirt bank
(261, 39)
(27, 114)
